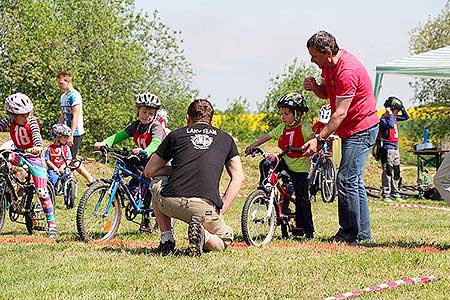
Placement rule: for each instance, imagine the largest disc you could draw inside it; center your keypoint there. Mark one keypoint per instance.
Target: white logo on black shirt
(201, 141)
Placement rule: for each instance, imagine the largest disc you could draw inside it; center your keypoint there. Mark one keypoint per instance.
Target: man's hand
(310, 147)
(70, 141)
(310, 84)
(271, 156)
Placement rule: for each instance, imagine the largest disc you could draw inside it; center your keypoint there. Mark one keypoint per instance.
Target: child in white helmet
(147, 133)
(57, 153)
(25, 131)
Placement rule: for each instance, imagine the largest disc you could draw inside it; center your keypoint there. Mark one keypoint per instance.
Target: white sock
(206, 235)
(167, 236)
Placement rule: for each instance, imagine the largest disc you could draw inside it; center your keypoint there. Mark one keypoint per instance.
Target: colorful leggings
(38, 171)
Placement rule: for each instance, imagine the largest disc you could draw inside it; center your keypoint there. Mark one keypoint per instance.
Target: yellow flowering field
(254, 120)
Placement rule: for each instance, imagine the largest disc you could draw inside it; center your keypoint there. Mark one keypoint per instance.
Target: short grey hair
(323, 41)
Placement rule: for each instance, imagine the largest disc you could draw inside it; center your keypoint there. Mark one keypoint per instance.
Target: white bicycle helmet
(162, 116)
(18, 104)
(325, 113)
(61, 130)
(148, 100)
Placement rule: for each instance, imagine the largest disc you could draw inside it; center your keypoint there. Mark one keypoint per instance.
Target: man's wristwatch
(320, 140)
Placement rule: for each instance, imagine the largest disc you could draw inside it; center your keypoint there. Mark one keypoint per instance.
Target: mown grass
(406, 243)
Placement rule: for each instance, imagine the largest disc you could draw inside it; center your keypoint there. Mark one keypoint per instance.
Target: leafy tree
(433, 35)
(113, 52)
(290, 80)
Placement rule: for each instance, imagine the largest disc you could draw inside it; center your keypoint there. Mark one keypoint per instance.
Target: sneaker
(297, 231)
(340, 239)
(387, 199)
(52, 232)
(166, 248)
(196, 237)
(309, 236)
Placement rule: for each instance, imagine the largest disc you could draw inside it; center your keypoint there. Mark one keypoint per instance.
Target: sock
(206, 235)
(167, 236)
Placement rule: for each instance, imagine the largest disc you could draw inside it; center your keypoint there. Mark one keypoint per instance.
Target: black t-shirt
(199, 153)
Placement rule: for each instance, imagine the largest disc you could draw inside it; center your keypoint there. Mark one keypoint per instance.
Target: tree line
(115, 53)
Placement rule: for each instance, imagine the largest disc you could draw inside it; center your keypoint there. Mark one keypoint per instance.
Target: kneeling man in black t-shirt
(198, 152)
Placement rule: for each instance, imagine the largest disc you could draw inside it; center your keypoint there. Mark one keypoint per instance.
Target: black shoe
(309, 236)
(166, 248)
(297, 231)
(196, 237)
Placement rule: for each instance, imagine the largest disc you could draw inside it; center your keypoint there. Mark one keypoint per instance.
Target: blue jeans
(353, 207)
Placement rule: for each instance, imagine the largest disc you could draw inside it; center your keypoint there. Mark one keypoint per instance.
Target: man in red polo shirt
(354, 118)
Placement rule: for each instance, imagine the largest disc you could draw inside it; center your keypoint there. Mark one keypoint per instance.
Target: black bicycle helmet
(393, 102)
(294, 101)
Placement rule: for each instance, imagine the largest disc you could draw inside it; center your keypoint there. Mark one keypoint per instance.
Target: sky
(235, 47)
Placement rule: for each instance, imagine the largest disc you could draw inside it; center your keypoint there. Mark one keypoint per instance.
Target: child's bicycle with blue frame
(100, 209)
(26, 205)
(67, 184)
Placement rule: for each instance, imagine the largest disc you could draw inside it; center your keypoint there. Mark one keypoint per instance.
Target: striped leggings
(38, 170)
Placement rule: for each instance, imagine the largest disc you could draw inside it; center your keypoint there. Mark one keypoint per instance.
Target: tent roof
(431, 64)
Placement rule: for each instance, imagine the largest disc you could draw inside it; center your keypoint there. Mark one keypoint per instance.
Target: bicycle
(264, 207)
(26, 205)
(323, 174)
(406, 190)
(67, 184)
(100, 208)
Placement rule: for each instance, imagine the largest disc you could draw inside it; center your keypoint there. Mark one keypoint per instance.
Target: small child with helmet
(57, 153)
(25, 131)
(389, 154)
(292, 132)
(147, 133)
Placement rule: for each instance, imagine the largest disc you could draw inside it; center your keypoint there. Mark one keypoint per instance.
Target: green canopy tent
(431, 64)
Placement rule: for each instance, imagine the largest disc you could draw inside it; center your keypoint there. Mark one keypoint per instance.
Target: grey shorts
(199, 209)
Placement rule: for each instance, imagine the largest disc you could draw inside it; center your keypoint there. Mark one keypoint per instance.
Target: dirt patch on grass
(275, 245)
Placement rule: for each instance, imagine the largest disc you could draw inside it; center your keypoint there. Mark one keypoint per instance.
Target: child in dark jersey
(25, 131)
(147, 134)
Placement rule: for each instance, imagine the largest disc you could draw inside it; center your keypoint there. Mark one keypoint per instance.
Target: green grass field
(406, 243)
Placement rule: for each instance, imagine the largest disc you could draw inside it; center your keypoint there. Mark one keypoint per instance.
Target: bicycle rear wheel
(328, 180)
(373, 192)
(95, 221)
(257, 227)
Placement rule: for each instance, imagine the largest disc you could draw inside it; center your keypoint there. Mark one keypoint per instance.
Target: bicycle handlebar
(258, 151)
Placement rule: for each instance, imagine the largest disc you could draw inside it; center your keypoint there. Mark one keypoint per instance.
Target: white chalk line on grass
(383, 286)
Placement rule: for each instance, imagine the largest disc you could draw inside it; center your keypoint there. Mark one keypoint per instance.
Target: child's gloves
(271, 157)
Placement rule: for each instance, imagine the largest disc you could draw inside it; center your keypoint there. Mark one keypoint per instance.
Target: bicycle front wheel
(328, 180)
(35, 217)
(258, 227)
(2, 206)
(70, 194)
(97, 218)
